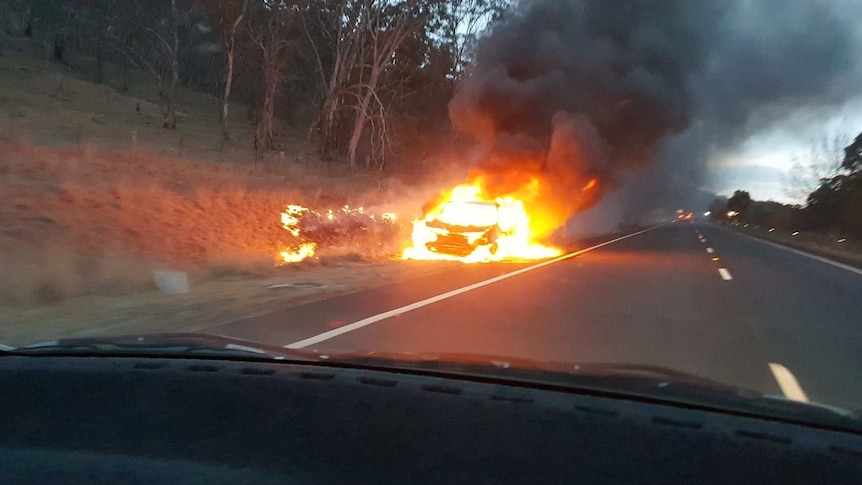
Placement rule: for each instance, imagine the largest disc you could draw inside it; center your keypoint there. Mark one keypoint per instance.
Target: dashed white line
(788, 383)
(725, 274)
(710, 250)
(703, 240)
(449, 294)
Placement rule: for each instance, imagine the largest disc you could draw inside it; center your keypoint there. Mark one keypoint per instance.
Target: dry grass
(73, 219)
(87, 215)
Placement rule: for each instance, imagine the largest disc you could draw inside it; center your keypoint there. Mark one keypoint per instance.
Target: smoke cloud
(565, 92)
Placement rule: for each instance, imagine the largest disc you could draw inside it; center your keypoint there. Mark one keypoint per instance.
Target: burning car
(462, 227)
(468, 226)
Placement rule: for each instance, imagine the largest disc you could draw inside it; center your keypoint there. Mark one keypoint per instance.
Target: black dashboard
(153, 420)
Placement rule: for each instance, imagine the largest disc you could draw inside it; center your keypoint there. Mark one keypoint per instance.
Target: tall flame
(467, 225)
(290, 220)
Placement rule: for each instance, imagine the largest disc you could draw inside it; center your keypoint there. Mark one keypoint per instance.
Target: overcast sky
(762, 164)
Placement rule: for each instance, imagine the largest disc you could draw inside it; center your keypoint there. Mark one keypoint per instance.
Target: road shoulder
(847, 260)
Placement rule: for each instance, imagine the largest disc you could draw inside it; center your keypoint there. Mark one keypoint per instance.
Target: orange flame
(312, 230)
(469, 226)
(306, 250)
(290, 221)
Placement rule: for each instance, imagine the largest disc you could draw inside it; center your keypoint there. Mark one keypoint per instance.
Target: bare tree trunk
(230, 48)
(170, 107)
(225, 100)
(170, 98)
(327, 125)
(268, 106)
(100, 60)
(170, 94)
(359, 127)
(363, 112)
(60, 48)
(274, 41)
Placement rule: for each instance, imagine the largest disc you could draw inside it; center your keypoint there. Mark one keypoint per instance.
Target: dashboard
(200, 420)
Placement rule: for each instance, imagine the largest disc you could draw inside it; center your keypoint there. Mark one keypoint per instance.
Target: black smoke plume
(567, 91)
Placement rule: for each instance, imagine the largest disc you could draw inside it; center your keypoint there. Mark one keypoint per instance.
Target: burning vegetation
(345, 228)
(496, 216)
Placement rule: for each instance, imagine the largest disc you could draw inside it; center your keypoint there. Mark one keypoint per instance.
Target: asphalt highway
(696, 298)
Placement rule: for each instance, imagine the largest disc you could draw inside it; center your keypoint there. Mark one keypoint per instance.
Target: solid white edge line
(801, 253)
(449, 294)
(788, 383)
(725, 274)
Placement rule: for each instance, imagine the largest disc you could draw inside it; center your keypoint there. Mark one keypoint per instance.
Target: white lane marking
(725, 274)
(710, 250)
(788, 383)
(449, 294)
(703, 240)
(801, 253)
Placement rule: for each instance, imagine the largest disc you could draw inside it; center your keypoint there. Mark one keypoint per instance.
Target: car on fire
(461, 227)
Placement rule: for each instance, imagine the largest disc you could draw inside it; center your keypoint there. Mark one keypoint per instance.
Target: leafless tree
(94, 31)
(228, 17)
(150, 40)
(364, 36)
(822, 162)
(336, 30)
(463, 23)
(169, 46)
(380, 39)
(274, 32)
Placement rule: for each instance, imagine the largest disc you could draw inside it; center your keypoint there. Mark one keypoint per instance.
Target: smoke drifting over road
(574, 90)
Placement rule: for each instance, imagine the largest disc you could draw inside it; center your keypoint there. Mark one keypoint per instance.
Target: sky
(762, 164)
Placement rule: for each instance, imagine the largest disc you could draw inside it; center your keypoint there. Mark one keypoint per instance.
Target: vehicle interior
(204, 420)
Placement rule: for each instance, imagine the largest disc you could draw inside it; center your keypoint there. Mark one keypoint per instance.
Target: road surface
(692, 297)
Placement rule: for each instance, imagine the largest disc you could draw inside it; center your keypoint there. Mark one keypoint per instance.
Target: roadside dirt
(209, 303)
